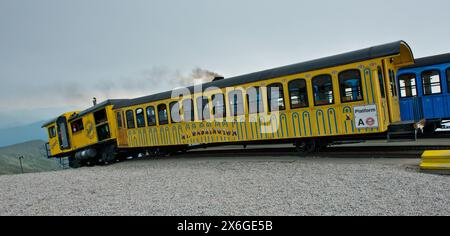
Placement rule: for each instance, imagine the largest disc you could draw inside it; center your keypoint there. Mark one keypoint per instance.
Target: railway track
(439, 135)
(405, 151)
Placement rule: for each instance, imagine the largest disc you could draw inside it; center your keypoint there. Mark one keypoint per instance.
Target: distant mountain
(34, 159)
(23, 133)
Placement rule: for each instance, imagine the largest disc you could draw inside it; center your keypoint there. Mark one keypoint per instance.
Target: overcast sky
(57, 54)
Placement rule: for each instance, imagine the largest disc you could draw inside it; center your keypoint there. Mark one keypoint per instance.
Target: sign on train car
(366, 116)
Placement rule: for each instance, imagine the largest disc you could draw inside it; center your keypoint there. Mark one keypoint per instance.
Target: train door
(63, 133)
(410, 102)
(391, 92)
(432, 89)
(122, 131)
(383, 99)
(102, 125)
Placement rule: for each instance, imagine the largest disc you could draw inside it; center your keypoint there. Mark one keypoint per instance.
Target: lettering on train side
(203, 132)
(366, 116)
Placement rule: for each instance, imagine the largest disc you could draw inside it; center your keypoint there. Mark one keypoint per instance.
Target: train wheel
(74, 163)
(310, 146)
(157, 152)
(108, 155)
(306, 146)
(321, 146)
(121, 157)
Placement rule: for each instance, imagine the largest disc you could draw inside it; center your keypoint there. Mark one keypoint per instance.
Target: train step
(404, 131)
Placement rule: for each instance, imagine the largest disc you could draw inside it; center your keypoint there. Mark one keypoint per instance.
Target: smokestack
(94, 101)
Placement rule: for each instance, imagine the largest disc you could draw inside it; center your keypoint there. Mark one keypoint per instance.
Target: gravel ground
(231, 186)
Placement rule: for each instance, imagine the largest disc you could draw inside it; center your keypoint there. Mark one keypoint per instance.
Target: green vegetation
(34, 158)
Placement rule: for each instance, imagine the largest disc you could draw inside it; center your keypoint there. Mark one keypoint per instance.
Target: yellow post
(436, 160)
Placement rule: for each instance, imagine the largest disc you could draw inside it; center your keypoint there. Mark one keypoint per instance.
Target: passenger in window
(77, 126)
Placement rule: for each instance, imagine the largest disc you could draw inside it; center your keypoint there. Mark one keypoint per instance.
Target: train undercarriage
(107, 152)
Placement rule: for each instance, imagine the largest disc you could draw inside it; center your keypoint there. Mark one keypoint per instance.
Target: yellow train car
(86, 137)
(352, 95)
(310, 104)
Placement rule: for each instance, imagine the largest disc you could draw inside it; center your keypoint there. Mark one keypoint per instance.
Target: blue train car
(424, 90)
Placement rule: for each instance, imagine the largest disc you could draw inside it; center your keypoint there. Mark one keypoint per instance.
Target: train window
(407, 85)
(298, 94)
(206, 112)
(130, 119)
(140, 119)
(431, 81)
(203, 108)
(100, 117)
(323, 90)
(218, 105)
(350, 86)
(151, 116)
(275, 97)
(392, 83)
(381, 82)
(77, 126)
(236, 103)
(188, 110)
(103, 132)
(254, 100)
(174, 112)
(448, 80)
(163, 117)
(119, 119)
(52, 131)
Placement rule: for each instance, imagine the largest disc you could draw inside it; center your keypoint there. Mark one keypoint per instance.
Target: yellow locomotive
(84, 136)
(310, 104)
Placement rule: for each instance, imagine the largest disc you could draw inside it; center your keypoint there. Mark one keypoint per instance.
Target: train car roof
(332, 61)
(49, 122)
(89, 110)
(113, 102)
(431, 60)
